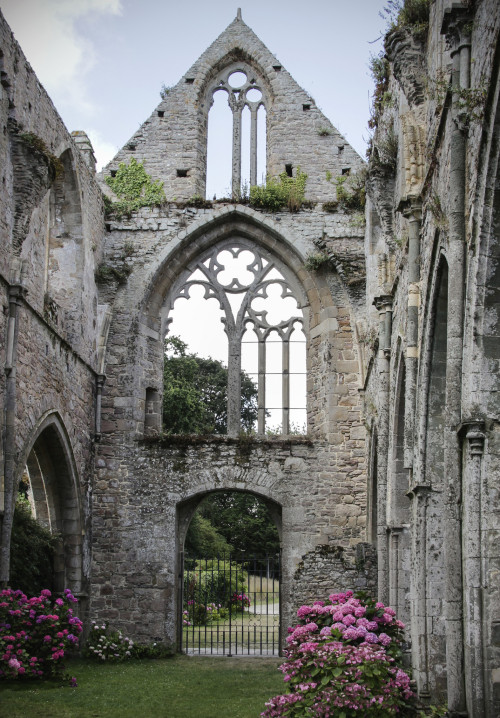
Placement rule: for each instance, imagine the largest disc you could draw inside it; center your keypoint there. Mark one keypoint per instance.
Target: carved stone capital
(383, 303)
(410, 207)
(457, 27)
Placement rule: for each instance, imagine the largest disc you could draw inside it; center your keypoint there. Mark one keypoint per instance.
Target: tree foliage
(31, 552)
(242, 520)
(195, 393)
(203, 539)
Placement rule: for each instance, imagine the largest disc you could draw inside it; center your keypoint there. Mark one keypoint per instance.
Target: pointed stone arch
(246, 228)
(48, 462)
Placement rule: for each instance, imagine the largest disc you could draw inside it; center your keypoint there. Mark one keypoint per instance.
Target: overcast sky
(103, 62)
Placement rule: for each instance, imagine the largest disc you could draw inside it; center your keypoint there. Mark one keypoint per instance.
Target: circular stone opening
(237, 79)
(254, 95)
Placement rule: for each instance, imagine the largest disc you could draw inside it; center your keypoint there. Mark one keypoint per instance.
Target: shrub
(280, 192)
(106, 645)
(36, 633)
(31, 552)
(342, 661)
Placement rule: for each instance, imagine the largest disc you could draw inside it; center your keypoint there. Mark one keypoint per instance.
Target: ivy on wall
(134, 189)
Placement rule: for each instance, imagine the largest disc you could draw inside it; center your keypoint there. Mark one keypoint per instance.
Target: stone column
(473, 580)
(16, 294)
(384, 306)
(419, 495)
(100, 379)
(412, 211)
(456, 26)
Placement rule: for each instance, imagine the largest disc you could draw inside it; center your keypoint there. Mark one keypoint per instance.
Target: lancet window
(247, 101)
(258, 303)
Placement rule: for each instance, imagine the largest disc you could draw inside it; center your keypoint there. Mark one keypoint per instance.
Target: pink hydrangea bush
(36, 633)
(342, 660)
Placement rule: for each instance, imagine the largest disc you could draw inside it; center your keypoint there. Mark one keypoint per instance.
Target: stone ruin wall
(319, 484)
(428, 568)
(54, 346)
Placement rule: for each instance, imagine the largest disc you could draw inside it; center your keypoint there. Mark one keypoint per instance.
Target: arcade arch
(50, 475)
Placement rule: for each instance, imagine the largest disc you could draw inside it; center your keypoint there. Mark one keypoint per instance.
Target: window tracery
(245, 95)
(264, 326)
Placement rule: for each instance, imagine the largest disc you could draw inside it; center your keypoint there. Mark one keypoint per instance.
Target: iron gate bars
(230, 605)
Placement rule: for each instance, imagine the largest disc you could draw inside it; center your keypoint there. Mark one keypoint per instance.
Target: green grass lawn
(179, 687)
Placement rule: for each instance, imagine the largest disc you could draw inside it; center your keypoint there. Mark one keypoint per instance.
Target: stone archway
(48, 467)
(228, 604)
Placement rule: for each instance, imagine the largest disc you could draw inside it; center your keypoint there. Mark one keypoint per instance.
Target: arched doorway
(230, 580)
(49, 478)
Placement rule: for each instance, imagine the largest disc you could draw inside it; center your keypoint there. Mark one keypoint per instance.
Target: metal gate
(230, 605)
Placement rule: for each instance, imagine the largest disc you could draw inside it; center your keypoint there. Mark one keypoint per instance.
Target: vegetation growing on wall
(134, 189)
(36, 143)
(317, 261)
(351, 192)
(411, 15)
(279, 192)
(379, 68)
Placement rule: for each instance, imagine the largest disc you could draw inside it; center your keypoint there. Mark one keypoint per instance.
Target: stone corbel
(474, 431)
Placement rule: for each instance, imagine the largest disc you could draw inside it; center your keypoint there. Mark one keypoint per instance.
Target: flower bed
(342, 661)
(36, 633)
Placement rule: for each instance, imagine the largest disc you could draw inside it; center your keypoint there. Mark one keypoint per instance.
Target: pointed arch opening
(229, 555)
(254, 328)
(49, 483)
(244, 112)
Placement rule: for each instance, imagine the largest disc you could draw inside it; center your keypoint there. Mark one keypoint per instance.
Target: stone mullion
(285, 386)
(261, 397)
(236, 177)
(234, 384)
(253, 146)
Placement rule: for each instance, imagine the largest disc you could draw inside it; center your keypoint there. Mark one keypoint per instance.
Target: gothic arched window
(259, 307)
(247, 101)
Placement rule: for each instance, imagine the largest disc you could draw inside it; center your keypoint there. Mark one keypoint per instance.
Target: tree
(203, 539)
(195, 393)
(243, 520)
(31, 552)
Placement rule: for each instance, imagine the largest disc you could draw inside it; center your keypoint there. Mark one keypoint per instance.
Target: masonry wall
(318, 482)
(424, 244)
(177, 140)
(49, 353)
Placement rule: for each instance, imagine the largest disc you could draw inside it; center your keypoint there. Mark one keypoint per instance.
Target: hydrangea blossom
(329, 667)
(36, 633)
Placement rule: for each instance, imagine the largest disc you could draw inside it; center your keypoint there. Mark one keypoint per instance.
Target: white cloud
(42, 26)
(104, 151)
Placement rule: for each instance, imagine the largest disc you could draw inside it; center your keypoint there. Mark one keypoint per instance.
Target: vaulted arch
(48, 465)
